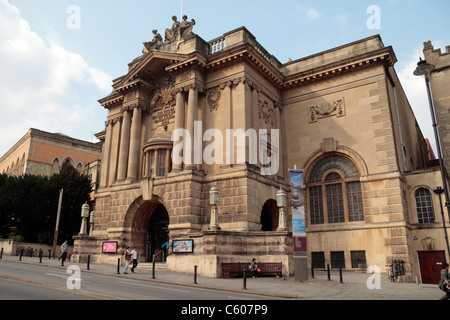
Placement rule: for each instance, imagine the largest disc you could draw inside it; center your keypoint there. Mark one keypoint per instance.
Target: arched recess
(269, 216)
(55, 165)
(148, 222)
(354, 156)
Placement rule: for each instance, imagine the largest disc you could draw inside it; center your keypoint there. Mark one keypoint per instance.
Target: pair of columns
(191, 116)
(130, 144)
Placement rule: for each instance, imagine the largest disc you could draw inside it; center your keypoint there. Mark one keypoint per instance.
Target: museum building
(201, 136)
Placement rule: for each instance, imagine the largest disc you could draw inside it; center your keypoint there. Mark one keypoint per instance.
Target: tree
(28, 205)
(77, 188)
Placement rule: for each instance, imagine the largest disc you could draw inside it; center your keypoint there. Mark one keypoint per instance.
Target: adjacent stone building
(191, 115)
(440, 84)
(44, 153)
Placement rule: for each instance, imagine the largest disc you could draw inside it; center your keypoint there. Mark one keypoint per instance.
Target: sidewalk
(353, 287)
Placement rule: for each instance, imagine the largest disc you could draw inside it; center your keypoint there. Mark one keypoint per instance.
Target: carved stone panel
(265, 112)
(213, 97)
(163, 102)
(327, 109)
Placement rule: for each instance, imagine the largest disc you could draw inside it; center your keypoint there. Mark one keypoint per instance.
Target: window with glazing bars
(425, 213)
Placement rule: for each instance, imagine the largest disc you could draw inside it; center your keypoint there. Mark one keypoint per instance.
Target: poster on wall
(298, 210)
(183, 246)
(109, 247)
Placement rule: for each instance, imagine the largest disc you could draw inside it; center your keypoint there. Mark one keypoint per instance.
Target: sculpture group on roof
(179, 31)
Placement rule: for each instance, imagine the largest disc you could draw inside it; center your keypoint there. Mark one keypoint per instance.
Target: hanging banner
(298, 210)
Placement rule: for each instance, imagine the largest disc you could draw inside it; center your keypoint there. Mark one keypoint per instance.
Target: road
(34, 282)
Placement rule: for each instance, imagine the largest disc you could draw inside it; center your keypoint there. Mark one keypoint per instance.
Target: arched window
(425, 213)
(334, 191)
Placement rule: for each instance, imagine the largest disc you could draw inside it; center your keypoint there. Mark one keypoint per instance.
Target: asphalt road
(33, 282)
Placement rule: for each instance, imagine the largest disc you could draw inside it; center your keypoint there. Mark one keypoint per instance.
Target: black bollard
(328, 272)
(118, 266)
(89, 261)
(245, 278)
(21, 254)
(153, 270)
(195, 274)
(312, 270)
(340, 275)
(49, 254)
(1, 254)
(40, 255)
(31, 252)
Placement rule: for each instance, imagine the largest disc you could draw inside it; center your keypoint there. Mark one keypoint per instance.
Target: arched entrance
(269, 216)
(157, 239)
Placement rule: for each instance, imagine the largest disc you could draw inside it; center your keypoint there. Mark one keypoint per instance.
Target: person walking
(444, 283)
(134, 256)
(127, 256)
(63, 256)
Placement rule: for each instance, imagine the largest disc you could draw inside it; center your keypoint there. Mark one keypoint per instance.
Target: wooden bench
(237, 268)
(270, 268)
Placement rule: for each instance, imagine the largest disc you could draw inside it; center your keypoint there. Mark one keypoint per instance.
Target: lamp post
(439, 191)
(214, 201)
(91, 222)
(425, 69)
(84, 215)
(281, 203)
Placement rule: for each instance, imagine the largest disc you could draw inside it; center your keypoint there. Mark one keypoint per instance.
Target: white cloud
(311, 12)
(342, 18)
(42, 84)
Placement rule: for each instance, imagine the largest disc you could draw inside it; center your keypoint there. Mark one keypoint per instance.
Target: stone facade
(43, 153)
(341, 116)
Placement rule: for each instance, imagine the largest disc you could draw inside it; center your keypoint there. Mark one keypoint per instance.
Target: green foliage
(29, 204)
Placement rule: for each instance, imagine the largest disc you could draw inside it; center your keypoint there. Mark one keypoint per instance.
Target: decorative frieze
(327, 109)
(213, 97)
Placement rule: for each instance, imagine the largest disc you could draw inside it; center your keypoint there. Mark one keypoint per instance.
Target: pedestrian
(127, 255)
(444, 283)
(254, 268)
(134, 255)
(63, 256)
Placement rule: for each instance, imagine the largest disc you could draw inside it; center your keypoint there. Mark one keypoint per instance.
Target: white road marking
(151, 286)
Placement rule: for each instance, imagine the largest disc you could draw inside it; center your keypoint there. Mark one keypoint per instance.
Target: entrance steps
(159, 266)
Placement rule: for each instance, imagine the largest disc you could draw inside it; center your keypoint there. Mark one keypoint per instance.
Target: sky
(59, 57)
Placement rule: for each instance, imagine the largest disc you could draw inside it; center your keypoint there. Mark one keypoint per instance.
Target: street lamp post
(214, 201)
(425, 69)
(91, 222)
(439, 191)
(84, 215)
(281, 203)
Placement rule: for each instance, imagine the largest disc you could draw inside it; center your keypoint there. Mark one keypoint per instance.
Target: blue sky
(59, 57)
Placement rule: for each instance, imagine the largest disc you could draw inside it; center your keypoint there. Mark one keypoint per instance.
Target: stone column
(191, 117)
(124, 146)
(106, 154)
(135, 139)
(179, 122)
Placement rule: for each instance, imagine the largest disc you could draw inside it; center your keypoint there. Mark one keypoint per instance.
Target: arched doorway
(269, 216)
(157, 240)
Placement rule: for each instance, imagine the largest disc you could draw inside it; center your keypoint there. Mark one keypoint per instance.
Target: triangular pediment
(149, 68)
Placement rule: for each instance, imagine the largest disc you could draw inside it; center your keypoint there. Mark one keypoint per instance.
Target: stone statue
(155, 43)
(186, 27)
(173, 37)
(172, 34)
